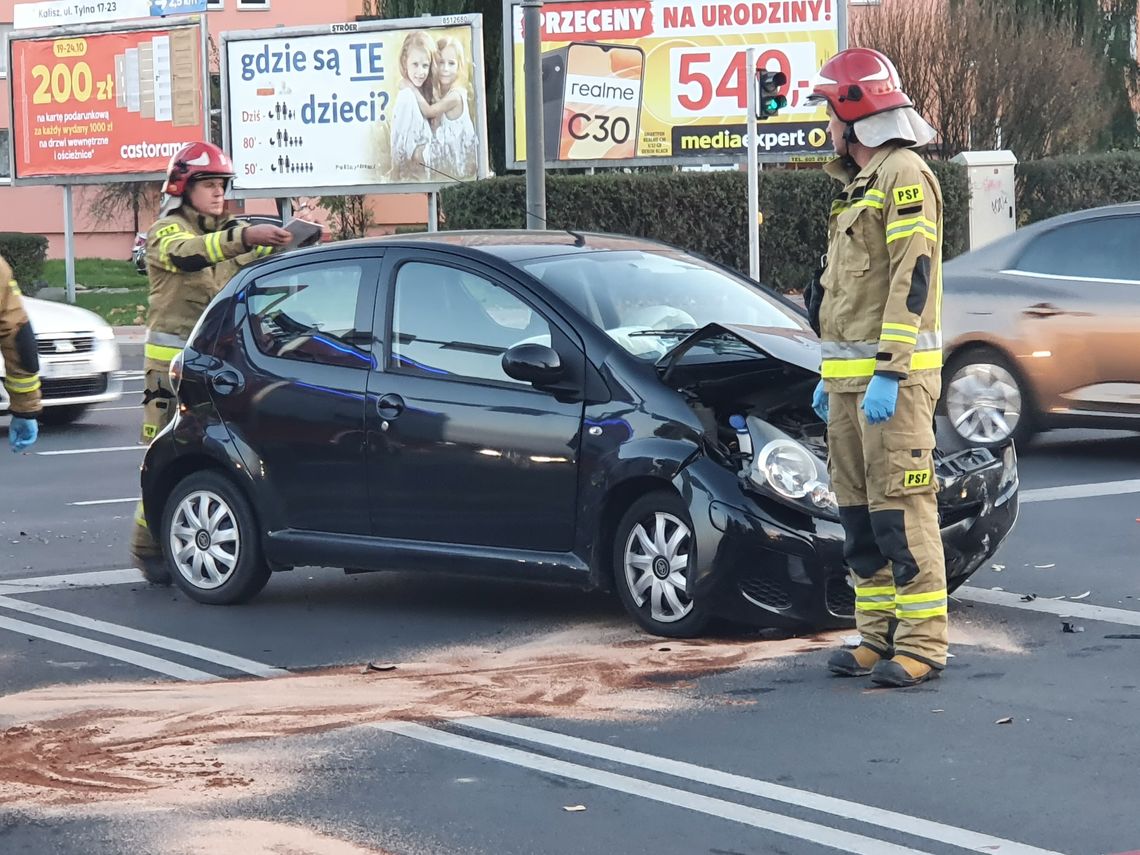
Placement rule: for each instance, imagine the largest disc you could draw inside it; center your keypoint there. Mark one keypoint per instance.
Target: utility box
(993, 209)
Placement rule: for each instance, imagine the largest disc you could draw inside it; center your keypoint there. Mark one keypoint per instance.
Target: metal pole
(753, 173)
(433, 211)
(535, 149)
(68, 243)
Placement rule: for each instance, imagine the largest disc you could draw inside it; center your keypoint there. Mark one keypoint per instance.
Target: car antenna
(579, 238)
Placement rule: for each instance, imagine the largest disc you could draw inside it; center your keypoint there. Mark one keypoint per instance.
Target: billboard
(371, 107)
(628, 82)
(114, 101)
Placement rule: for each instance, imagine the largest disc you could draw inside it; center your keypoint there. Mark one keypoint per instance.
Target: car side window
(309, 314)
(450, 322)
(1104, 248)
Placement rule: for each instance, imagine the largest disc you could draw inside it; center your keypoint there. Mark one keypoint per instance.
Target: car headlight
(1009, 468)
(104, 333)
(789, 469)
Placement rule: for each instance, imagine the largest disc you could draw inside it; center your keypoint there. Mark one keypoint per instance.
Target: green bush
(25, 254)
(704, 212)
(1046, 188)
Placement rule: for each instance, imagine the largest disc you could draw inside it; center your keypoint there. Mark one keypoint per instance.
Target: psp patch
(149, 431)
(908, 195)
(916, 478)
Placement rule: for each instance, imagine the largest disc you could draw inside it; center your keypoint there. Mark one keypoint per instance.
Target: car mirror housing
(533, 363)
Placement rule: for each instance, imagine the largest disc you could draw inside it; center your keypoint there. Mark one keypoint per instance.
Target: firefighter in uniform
(21, 364)
(192, 252)
(877, 306)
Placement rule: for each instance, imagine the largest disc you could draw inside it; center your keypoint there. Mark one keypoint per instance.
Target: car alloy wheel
(205, 540)
(984, 403)
(656, 563)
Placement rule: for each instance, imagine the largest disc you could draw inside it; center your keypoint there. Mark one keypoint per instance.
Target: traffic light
(768, 84)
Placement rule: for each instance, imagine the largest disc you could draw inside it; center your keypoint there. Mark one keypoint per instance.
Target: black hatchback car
(597, 410)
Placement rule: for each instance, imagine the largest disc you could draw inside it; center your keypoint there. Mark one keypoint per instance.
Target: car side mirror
(533, 363)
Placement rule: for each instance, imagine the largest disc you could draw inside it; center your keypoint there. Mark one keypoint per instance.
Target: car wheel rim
(983, 402)
(656, 566)
(204, 540)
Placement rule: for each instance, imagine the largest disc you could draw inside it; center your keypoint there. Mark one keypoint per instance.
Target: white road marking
(719, 808)
(111, 651)
(914, 826)
(1080, 491)
(1061, 608)
(113, 409)
(92, 450)
(102, 502)
(96, 579)
(162, 642)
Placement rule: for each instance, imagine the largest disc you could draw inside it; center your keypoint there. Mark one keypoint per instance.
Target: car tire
(657, 603)
(211, 542)
(62, 416)
(981, 390)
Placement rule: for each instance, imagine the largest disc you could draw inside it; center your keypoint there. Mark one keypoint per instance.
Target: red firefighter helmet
(193, 161)
(857, 83)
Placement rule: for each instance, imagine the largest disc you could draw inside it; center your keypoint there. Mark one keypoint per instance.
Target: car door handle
(1043, 310)
(226, 381)
(389, 406)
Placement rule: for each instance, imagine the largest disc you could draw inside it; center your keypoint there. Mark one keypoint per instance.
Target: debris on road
(1081, 596)
(997, 568)
(574, 808)
(1028, 598)
(1044, 566)
(1066, 626)
(1006, 720)
(852, 640)
(372, 666)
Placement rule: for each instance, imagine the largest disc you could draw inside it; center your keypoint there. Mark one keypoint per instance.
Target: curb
(130, 335)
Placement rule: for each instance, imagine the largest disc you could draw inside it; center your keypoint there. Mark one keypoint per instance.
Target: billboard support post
(433, 211)
(753, 176)
(535, 161)
(69, 243)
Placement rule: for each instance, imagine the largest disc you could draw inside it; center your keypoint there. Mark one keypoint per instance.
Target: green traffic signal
(769, 83)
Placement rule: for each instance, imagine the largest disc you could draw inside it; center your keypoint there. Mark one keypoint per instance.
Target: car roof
(514, 245)
(1006, 249)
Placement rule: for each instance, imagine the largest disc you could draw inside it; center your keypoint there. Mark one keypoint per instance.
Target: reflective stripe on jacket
(882, 302)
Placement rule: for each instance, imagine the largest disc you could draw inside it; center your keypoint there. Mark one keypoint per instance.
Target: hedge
(1046, 188)
(25, 254)
(700, 211)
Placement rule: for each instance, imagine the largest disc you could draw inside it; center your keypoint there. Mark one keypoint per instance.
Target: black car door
(294, 397)
(458, 451)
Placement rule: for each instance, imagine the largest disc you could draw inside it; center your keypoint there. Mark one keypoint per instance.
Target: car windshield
(649, 301)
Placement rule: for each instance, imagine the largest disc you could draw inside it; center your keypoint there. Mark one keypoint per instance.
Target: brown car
(1042, 329)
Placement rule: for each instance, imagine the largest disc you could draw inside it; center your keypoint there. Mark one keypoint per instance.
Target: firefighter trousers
(158, 411)
(883, 477)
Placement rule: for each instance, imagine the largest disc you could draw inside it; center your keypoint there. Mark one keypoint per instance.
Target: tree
(349, 216)
(986, 77)
(110, 201)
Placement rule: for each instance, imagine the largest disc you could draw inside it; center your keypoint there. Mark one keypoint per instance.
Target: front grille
(74, 387)
(65, 344)
(949, 516)
(840, 597)
(765, 590)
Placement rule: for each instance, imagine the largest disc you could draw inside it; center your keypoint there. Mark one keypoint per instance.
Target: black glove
(813, 299)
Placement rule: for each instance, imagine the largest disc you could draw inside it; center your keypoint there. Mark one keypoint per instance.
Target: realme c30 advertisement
(665, 81)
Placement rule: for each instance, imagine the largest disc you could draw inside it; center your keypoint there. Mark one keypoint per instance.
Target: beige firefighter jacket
(18, 347)
(882, 284)
(190, 258)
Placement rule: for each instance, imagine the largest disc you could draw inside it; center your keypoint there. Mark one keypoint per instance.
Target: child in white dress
(411, 133)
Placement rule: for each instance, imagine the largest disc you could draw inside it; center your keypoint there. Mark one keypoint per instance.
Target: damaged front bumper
(763, 562)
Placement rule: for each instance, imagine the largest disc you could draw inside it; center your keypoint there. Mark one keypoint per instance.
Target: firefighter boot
(854, 663)
(145, 553)
(902, 671)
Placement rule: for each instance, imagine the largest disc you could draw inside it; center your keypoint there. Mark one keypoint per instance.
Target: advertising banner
(113, 103)
(381, 106)
(664, 81)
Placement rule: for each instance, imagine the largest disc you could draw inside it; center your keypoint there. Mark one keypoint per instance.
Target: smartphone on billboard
(592, 95)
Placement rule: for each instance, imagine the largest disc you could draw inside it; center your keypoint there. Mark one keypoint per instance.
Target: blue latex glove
(820, 401)
(879, 402)
(22, 433)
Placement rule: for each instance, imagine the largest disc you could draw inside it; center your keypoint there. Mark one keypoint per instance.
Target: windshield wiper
(665, 333)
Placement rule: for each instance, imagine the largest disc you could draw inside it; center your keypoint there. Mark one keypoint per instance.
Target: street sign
(61, 13)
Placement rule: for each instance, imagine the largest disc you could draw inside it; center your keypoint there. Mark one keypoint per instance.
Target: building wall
(39, 209)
